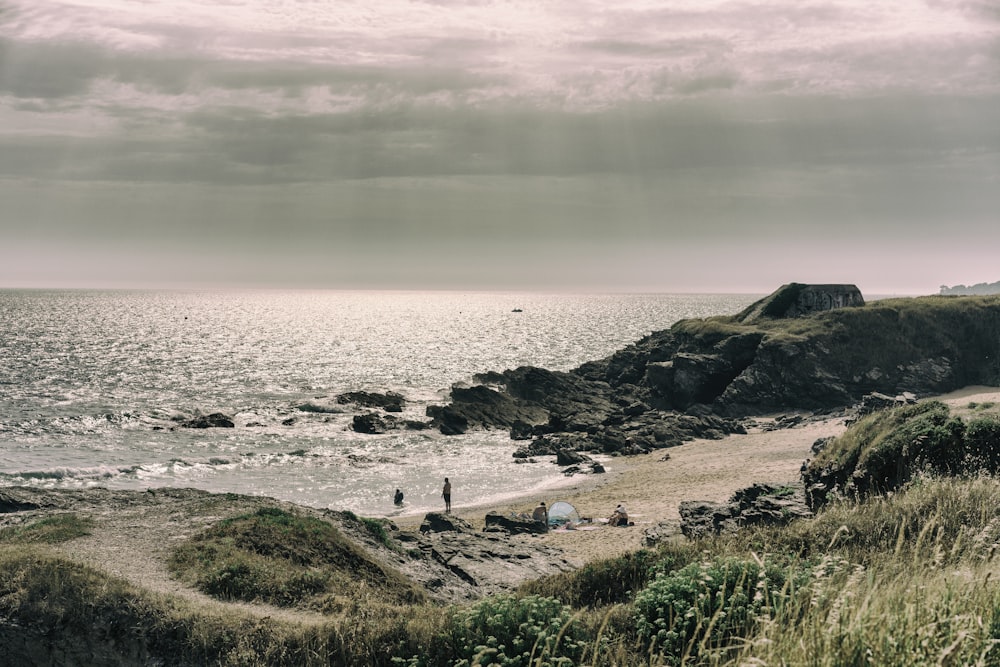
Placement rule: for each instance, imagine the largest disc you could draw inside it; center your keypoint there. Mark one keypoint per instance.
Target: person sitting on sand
(541, 513)
(398, 498)
(619, 517)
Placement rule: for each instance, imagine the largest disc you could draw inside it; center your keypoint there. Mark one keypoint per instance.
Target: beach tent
(561, 513)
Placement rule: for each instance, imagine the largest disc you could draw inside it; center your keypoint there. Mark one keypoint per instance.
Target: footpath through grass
(900, 576)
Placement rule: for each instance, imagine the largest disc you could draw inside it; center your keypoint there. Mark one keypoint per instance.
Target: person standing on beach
(446, 494)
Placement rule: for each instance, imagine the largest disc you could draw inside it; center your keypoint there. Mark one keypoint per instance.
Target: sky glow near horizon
(651, 146)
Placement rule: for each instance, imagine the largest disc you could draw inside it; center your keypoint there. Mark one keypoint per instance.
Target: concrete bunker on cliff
(797, 299)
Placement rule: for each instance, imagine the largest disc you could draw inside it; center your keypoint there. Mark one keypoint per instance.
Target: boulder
(214, 420)
(441, 522)
(390, 401)
(483, 407)
(513, 525)
(766, 504)
(373, 423)
(567, 457)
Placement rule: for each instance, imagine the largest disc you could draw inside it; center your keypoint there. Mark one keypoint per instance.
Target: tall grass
(908, 578)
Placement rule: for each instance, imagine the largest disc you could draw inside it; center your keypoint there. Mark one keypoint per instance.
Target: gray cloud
(395, 142)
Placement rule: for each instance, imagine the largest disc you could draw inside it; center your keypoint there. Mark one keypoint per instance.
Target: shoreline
(652, 488)
(653, 485)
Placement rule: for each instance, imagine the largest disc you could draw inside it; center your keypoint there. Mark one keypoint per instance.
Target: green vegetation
(284, 559)
(907, 577)
(889, 448)
(50, 530)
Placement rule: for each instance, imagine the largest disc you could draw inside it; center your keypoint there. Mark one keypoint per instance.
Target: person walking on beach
(446, 494)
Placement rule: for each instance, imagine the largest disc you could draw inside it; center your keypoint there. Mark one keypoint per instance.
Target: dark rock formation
(805, 348)
(214, 420)
(374, 423)
(759, 504)
(513, 525)
(441, 522)
(482, 407)
(390, 401)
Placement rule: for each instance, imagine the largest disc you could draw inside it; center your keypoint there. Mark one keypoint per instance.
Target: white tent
(561, 513)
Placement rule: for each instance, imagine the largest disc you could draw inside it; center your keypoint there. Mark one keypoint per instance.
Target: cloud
(407, 125)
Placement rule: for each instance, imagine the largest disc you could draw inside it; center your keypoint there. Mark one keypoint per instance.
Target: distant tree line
(979, 288)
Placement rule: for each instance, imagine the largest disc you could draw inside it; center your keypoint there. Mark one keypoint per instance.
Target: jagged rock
(750, 364)
(214, 420)
(759, 504)
(567, 457)
(482, 407)
(373, 423)
(489, 563)
(521, 430)
(440, 522)
(660, 533)
(513, 525)
(876, 401)
(390, 401)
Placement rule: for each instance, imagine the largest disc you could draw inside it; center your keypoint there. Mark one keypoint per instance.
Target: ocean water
(92, 382)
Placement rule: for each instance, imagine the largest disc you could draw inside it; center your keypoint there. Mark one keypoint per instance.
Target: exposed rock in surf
(389, 401)
(375, 423)
(482, 407)
(214, 420)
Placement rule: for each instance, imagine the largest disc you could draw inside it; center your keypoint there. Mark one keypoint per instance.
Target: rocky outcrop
(513, 525)
(803, 348)
(375, 423)
(390, 401)
(214, 420)
(476, 563)
(760, 504)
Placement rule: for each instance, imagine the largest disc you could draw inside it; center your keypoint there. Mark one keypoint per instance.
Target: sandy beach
(652, 488)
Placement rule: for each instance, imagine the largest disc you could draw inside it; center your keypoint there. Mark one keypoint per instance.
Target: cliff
(802, 348)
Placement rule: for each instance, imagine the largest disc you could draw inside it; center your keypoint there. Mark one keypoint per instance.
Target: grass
(286, 559)
(902, 577)
(50, 530)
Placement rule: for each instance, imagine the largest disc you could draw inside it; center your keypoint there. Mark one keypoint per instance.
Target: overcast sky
(547, 144)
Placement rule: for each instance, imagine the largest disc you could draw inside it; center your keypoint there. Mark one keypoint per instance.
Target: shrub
(982, 444)
(600, 582)
(703, 606)
(511, 631)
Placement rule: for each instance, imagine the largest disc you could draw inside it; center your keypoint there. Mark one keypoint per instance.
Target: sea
(93, 383)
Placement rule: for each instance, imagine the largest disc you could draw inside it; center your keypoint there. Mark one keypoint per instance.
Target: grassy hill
(896, 576)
